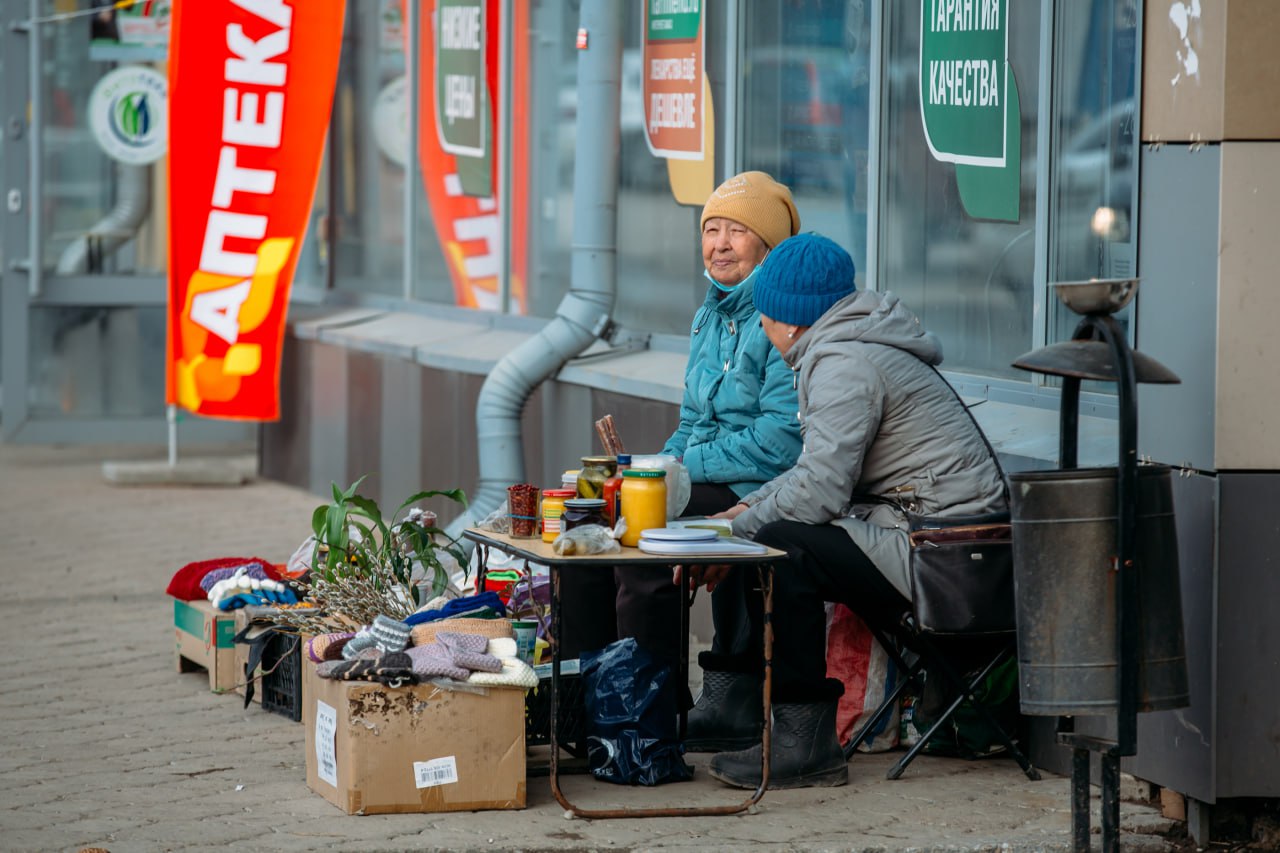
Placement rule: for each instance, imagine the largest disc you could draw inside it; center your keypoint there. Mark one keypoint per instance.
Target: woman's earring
(791, 334)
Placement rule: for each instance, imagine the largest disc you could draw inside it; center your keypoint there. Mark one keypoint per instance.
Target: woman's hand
(732, 512)
(696, 576)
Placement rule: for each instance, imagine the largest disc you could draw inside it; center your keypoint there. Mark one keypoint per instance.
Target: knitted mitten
(468, 652)
(434, 660)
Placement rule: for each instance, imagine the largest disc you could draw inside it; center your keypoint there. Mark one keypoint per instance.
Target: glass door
(83, 243)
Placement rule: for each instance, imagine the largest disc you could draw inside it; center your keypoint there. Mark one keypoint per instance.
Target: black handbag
(961, 568)
(962, 574)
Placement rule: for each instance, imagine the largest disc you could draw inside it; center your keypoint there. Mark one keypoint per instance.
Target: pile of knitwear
(471, 643)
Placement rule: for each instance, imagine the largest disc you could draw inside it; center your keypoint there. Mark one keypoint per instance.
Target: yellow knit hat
(758, 202)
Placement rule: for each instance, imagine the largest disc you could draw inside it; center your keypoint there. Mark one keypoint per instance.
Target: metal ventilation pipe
(121, 224)
(583, 314)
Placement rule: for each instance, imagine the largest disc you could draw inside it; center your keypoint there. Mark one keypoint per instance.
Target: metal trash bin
(1064, 541)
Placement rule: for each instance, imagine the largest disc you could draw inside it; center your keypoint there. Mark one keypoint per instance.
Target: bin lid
(1092, 360)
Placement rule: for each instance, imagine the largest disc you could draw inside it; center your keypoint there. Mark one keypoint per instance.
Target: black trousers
(824, 565)
(598, 606)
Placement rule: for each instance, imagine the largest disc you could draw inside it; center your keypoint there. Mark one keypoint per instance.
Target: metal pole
(171, 415)
(35, 141)
(503, 134)
(1080, 800)
(411, 185)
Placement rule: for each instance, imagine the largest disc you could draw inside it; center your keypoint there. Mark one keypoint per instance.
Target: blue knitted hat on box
(801, 278)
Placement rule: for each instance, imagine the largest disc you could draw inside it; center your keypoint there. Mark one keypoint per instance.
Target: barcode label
(437, 771)
(326, 755)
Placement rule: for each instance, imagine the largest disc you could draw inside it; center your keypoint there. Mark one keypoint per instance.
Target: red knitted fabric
(185, 584)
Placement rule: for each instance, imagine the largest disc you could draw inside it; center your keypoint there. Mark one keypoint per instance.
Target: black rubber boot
(728, 714)
(805, 751)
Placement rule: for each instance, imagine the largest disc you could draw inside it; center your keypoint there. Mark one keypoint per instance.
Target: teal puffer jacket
(739, 421)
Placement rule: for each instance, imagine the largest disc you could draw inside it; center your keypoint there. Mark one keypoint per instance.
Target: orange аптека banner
(250, 91)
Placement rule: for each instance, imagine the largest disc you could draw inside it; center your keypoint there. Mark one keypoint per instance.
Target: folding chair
(986, 607)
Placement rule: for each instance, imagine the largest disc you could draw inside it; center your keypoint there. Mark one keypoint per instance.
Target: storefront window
(367, 155)
(659, 286)
(1093, 177)
(102, 213)
(970, 280)
(96, 362)
(805, 75)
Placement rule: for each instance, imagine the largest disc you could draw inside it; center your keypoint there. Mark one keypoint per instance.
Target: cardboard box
(1209, 71)
(203, 641)
(372, 749)
(242, 660)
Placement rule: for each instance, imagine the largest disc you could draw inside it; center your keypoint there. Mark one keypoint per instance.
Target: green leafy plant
(364, 564)
(352, 537)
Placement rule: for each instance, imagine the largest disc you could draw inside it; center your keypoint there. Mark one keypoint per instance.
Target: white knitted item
(503, 647)
(515, 673)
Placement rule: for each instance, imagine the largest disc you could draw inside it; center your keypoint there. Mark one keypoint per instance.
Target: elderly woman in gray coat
(878, 421)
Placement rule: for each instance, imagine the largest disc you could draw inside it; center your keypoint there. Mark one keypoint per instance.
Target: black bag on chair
(961, 574)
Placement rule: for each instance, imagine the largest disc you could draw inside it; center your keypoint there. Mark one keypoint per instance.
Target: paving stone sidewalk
(105, 745)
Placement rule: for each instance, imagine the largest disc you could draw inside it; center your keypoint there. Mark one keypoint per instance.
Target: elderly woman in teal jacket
(738, 430)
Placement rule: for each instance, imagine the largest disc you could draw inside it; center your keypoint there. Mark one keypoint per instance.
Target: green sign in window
(963, 77)
(674, 19)
(461, 96)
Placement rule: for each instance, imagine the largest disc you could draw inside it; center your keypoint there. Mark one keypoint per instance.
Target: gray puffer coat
(877, 420)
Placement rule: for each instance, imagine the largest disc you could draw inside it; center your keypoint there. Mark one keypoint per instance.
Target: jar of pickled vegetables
(595, 470)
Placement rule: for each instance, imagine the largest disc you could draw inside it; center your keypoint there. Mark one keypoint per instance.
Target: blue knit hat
(803, 277)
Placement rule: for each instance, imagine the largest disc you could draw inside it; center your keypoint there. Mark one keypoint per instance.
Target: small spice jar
(552, 509)
(644, 502)
(580, 511)
(595, 470)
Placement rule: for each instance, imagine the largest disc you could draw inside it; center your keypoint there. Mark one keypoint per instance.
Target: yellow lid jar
(644, 502)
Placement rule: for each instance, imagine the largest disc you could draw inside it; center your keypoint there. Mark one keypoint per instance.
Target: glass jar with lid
(644, 502)
(580, 511)
(595, 470)
(552, 510)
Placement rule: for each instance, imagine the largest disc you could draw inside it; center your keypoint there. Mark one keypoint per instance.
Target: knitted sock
(363, 639)
(433, 660)
(345, 670)
(327, 646)
(253, 570)
(394, 669)
(388, 634)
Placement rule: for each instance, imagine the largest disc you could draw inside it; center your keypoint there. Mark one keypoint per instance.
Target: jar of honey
(644, 502)
(552, 508)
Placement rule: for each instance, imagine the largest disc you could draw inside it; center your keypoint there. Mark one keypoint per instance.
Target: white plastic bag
(679, 486)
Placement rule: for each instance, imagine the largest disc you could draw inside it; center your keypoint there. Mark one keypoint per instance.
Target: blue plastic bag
(632, 734)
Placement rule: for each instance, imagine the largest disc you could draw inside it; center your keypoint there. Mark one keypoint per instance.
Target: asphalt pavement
(107, 746)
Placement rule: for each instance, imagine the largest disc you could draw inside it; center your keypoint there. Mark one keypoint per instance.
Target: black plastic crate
(571, 732)
(282, 676)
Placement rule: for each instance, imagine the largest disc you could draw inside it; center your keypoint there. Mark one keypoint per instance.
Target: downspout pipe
(119, 226)
(584, 313)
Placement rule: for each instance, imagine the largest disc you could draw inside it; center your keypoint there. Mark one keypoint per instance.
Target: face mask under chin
(729, 288)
